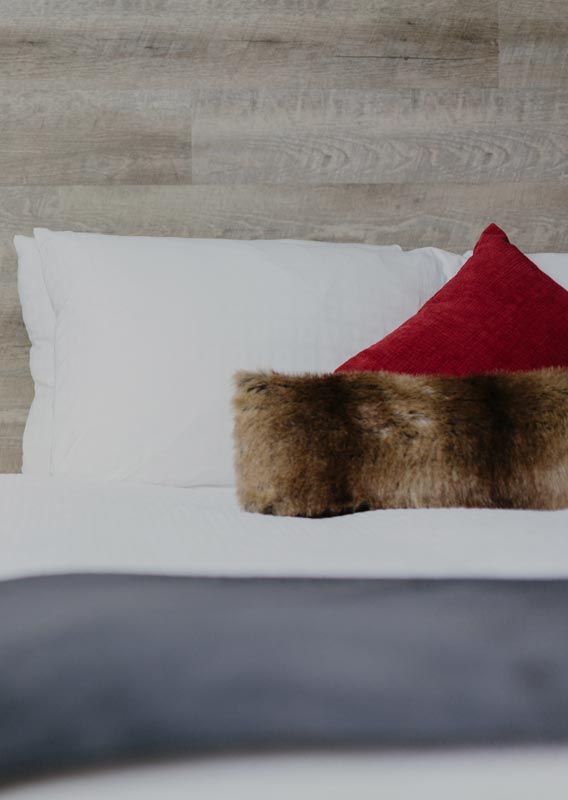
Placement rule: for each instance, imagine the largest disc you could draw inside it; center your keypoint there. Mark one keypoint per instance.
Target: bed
(204, 533)
(308, 156)
(152, 632)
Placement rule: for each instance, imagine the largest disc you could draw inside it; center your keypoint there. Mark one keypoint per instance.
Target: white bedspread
(518, 774)
(52, 525)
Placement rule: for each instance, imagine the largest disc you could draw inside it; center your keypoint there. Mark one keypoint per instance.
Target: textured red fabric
(500, 312)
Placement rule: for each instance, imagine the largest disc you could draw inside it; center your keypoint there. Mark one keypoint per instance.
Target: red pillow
(500, 312)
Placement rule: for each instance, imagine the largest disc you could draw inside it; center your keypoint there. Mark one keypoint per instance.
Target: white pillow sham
(39, 319)
(150, 330)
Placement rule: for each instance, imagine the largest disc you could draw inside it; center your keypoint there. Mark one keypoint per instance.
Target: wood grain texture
(533, 43)
(444, 215)
(414, 122)
(330, 44)
(98, 137)
(470, 136)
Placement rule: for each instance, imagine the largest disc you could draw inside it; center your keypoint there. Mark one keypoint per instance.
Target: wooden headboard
(409, 121)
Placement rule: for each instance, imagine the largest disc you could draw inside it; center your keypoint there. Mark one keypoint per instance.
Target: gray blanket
(96, 667)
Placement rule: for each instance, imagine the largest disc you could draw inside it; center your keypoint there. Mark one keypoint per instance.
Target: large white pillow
(39, 319)
(150, 330)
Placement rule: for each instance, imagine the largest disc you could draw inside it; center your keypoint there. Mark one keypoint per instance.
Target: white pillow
(39, 319)
(554, 264)
(150, 330)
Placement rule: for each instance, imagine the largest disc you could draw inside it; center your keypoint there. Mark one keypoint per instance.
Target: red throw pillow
(500, 312)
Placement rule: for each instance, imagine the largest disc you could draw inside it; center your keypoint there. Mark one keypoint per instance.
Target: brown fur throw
(322, 445)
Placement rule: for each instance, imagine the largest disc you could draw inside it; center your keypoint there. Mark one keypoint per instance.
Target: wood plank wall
(410, 121)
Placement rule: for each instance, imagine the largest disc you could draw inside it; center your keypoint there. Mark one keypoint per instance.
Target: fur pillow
(323, 445)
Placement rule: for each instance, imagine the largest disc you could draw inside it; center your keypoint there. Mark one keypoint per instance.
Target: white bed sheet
(517, 774)
(51, 525)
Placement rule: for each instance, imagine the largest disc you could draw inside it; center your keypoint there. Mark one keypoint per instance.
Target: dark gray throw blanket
(101, 667)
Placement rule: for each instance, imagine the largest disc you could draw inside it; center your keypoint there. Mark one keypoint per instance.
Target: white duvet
(51, 525)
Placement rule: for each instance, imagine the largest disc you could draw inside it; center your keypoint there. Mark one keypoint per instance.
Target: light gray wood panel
(16, 394)
(16, 388)
(434, 28)
(303, 137)
(447, 215)
(325, 44)
(100, 137)
(533, 43)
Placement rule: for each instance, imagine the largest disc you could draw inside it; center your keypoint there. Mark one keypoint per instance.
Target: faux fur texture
(323, 445)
